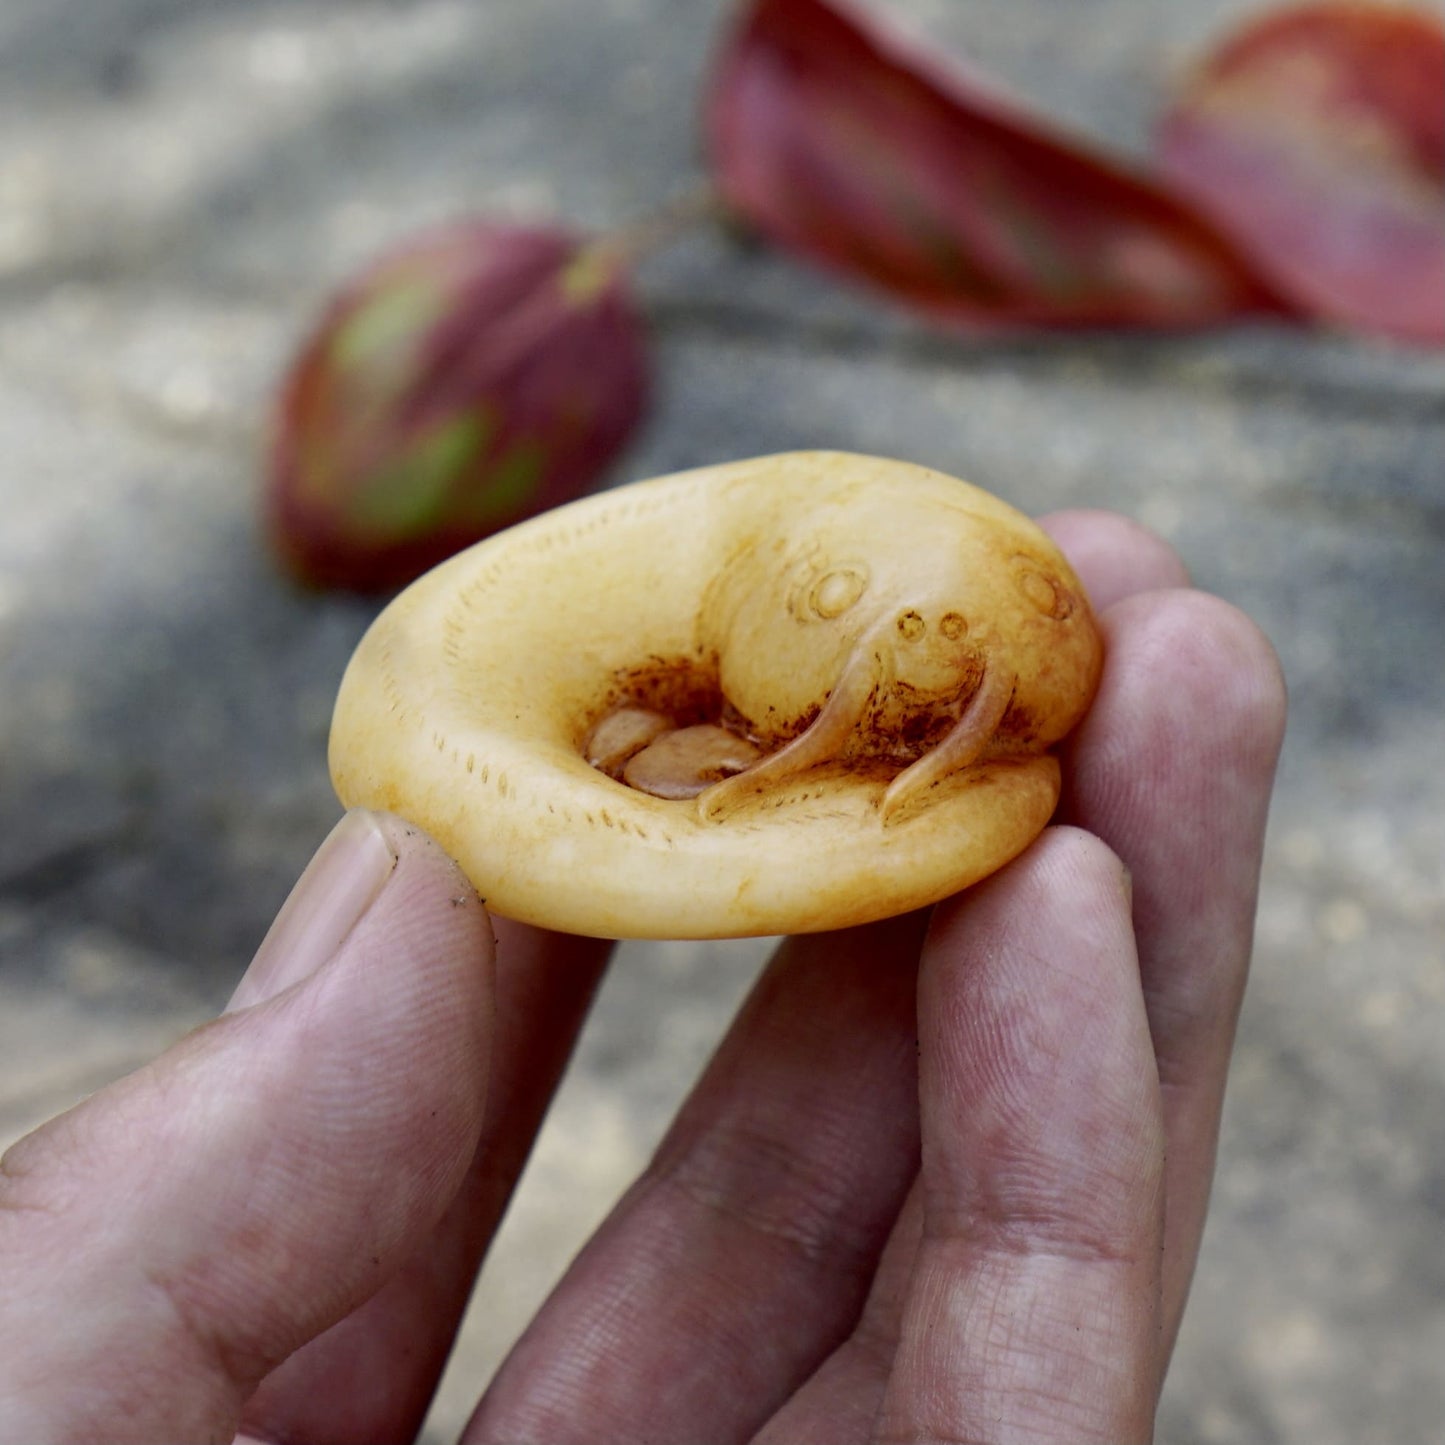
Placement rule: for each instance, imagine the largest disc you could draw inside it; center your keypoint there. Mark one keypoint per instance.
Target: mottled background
(182, 181)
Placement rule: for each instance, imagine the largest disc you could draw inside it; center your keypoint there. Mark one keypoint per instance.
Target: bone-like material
(847, 615)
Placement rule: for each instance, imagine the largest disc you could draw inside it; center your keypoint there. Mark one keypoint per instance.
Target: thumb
(170, 1240)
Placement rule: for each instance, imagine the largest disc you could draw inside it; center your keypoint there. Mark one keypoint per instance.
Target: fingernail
(340, 883)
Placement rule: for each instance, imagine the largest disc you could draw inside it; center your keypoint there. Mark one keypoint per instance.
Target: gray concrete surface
(181, 183)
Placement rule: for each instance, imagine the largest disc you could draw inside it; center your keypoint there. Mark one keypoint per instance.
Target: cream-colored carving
(844, 673)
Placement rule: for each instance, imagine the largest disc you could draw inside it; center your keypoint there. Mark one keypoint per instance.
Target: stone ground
(183, 182)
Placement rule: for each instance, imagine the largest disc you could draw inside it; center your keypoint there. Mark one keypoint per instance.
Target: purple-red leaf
(462, 383)
(1316, 138)
(846, 145)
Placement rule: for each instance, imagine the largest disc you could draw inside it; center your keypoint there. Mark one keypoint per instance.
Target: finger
(372, 1376)
(743, 1254)
(838, 1403)
(1173, 768)
(1114, 556)
(174, 1237)
(1033, 1306)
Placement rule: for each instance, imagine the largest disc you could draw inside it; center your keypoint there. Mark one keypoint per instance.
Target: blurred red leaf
(1316, 138)
(846, 145)
(462, 383)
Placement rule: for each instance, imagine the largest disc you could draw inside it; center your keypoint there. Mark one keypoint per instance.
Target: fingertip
(429, 884)
(1188, 675)
(424, 934)
(407, 840)
(1033, 969)
(1114, 555)
(407, 1010)
(365, 854)
(1064, 862)
(1231, 659)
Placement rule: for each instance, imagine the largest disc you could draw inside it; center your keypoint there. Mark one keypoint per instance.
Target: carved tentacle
(868, 668)
(963, 745)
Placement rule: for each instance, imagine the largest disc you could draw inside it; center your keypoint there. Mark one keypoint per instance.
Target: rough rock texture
(183, 182)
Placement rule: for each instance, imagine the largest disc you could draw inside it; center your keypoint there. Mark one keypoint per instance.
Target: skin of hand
(944, 1179)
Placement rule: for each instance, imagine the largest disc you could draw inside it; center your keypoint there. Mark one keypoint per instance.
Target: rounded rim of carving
(783, 695)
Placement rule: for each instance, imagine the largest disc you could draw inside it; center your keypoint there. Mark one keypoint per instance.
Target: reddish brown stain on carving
(684, 688)
(899, 723)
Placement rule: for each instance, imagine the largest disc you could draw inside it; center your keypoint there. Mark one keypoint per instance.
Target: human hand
(275, 1226)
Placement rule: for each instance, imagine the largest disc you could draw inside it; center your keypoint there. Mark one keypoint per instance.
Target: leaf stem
(628, 244)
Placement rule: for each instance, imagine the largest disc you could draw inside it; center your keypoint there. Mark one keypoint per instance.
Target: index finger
(1173, 768)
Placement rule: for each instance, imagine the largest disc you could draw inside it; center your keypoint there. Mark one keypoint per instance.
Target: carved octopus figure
(786, 694)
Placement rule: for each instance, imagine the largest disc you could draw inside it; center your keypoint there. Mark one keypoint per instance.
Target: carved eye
(1043, 591)
(953, 625)
(835, 592)
(911, 625)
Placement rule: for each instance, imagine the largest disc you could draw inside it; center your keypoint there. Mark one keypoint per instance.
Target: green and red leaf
(856, 150)
(466, 381)
(1316, 138)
